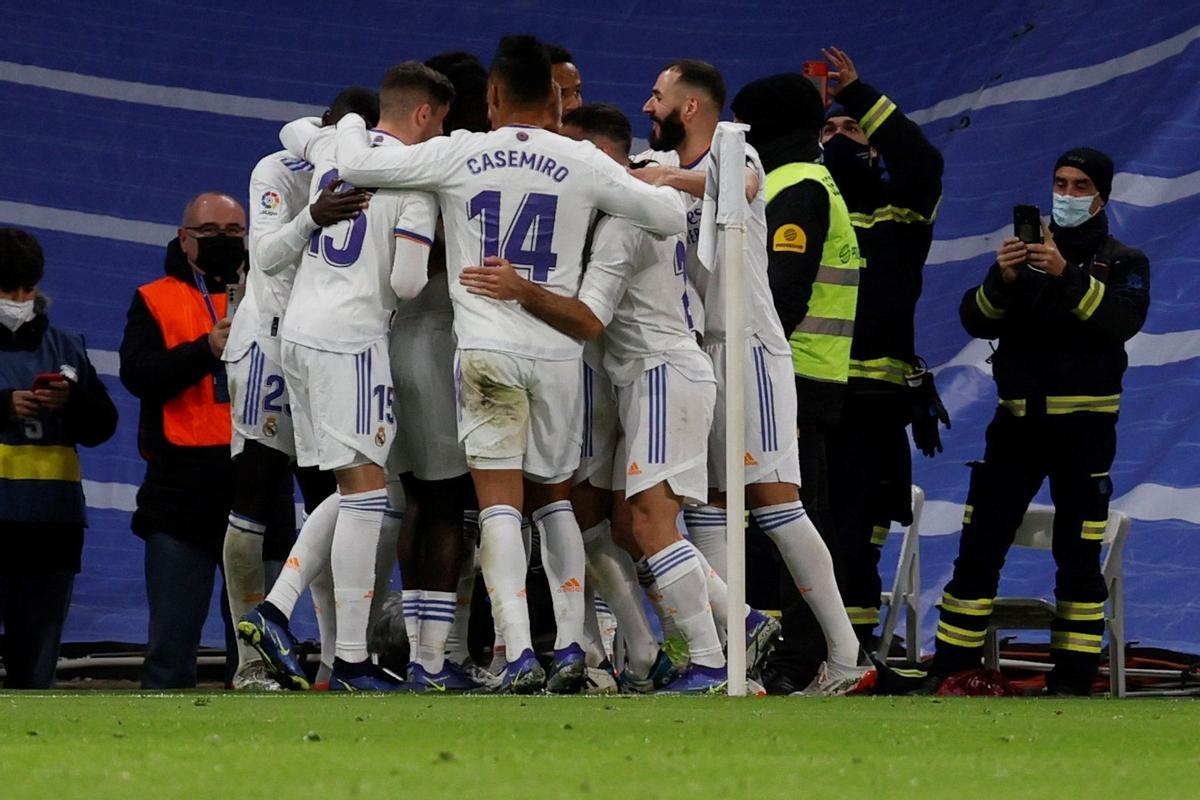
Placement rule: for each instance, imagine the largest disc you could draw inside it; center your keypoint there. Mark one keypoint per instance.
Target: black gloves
(927, 411)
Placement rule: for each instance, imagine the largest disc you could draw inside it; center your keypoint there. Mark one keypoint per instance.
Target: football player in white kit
(684, 107)
(281, 221)
(335, 353)
(426, 457)
(528, 195)
(633, 290)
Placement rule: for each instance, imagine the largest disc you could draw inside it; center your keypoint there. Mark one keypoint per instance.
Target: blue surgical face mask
(1071, 212)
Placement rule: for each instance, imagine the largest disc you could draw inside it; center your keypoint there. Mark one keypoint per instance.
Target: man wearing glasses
(175, 334)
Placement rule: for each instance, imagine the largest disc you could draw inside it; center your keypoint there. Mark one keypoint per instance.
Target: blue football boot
(450, 680)
(265, 629)
(523, 676)
(696, 679)
(568, 671)
(761, 633)
(661, 674)
(365, 677)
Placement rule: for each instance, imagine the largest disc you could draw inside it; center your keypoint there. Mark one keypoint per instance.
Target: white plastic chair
(1036, 613)
(905, 596)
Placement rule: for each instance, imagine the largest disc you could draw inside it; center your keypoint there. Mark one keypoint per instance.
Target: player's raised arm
(297, 134)
(657, 209)
(425, 166)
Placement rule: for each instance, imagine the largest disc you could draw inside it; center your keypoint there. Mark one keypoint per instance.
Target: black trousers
(870, 480)
(1075, 451)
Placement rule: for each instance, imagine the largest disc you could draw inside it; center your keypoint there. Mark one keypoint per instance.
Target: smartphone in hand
(44, 379)
(1027, 224)
(818, 73)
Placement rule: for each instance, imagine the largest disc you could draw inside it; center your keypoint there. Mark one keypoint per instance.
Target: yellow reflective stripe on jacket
(968, 512)
(876, 115)
(1067, 404)
(1079, 612)
(1014, 407)
(893, 214)
(1091, 299)
(890, 370)
(1077, 642)
(879, 534)
(862, 616)
(985, 305)
(1093, 530)
(952, 634)
(972, 608)
(820, 344)
(35, 462)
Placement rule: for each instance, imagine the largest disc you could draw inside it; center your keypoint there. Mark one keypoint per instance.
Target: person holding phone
(1062, 311)
(175, 334)
(51, 401)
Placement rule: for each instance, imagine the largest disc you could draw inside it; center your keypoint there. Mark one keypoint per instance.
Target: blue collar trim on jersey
(697, 161)
(385, 133)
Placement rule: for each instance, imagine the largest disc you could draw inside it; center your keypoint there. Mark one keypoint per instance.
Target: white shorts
(519, 413)
(422, 354)
(258, 399)
(665, 418)
(341, 405)
(772, 455)
(599, 429)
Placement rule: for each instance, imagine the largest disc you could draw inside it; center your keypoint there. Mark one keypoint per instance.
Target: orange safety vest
(192, 418)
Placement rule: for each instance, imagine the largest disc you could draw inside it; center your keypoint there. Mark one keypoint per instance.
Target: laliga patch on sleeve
(790, 238)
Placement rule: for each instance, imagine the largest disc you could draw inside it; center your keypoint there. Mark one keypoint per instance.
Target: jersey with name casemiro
(519, 192)
(279, 185)
(761, 319)
(342, 300)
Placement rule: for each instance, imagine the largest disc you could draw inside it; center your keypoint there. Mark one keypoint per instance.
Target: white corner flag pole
(731, 218)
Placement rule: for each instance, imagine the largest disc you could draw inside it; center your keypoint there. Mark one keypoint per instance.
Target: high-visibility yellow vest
(821, 342)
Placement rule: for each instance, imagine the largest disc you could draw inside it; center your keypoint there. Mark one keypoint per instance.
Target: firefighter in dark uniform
(892, 212)
(1062, 312)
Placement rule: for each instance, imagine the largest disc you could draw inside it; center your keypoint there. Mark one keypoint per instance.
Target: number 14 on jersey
(529, 241)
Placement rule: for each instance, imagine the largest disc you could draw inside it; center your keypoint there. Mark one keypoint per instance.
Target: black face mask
(850, 165)
(221, 256)
(671, 132)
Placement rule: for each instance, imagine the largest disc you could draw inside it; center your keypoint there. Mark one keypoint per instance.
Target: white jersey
(761, 317)
(280, 226)
(351, 274)
(518, 192)
(634, 284)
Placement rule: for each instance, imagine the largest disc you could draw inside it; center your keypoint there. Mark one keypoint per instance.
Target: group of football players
(494, 327)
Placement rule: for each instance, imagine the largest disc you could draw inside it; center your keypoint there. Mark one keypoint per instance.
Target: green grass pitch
(92, 745)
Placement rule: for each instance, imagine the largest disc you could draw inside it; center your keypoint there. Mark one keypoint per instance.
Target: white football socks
(244, 578)
(437, 615)
(616, 580)
(681, 580)
(501, 556)
(352, 559)
(646, 580)
(706, 528)
(593, 643)
(308, 558)
(564, 562)
(811, 566)
(412, 620)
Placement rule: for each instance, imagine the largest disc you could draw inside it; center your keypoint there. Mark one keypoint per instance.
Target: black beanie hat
(777, 106)
(1096, 165)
